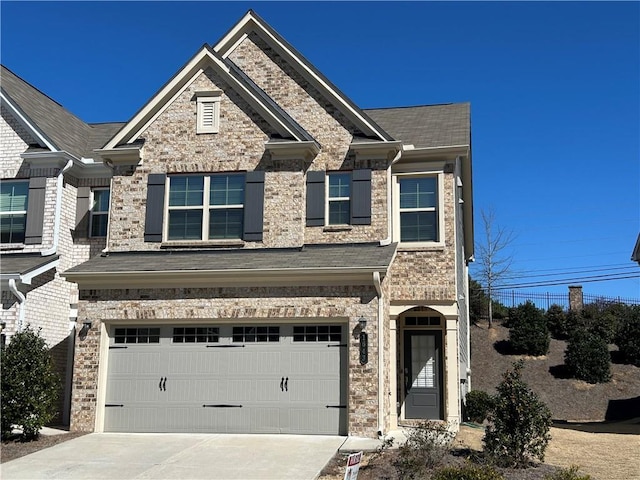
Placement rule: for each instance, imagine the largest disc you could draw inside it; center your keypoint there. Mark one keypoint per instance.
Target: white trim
(26, 122)
(21, 303)
(439, 210)
(93, 212)
(328, 199)
(112, 144)
(205, 102)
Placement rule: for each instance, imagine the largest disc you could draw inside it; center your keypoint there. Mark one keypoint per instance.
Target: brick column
(575, 298)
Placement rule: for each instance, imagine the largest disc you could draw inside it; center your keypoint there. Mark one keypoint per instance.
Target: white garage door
(227, 379)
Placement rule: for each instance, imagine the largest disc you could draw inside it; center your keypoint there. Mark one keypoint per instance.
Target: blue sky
(554, 90)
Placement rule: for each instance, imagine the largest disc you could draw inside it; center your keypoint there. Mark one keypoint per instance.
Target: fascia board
(57, 159)
(446, 150)
(26, 122)
(27, 277)
(224, 278)
(252, 22)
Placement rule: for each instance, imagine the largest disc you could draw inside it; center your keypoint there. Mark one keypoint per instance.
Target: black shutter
(82, 212)
(315, 198)
(361, 197)
(253, 205)
(35, 211)
(155, 207)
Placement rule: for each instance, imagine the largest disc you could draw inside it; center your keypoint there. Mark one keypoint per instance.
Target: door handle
(282, 384)
(286, 382)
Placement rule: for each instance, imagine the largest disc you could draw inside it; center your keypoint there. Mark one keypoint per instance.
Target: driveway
(180, 456)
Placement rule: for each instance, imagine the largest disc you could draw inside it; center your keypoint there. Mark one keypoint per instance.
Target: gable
(205, 59)
(252, 29)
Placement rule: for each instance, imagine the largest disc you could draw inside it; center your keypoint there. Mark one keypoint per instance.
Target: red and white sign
(353, 466)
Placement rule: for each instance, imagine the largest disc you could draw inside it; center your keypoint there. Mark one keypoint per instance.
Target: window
(99, 213)
(338, 198)
(206, 207)
(418, 208)
(208, 112)
(13, 211)
(317, 333)
(136, 335)
(256, 334)
(196, 334)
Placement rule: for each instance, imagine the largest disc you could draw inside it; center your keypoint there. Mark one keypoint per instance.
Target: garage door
(227, 379)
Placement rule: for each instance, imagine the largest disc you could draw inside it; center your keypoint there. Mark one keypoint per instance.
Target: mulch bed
(13, 448)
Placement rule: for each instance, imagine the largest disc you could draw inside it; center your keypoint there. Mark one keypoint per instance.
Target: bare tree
(493, 262)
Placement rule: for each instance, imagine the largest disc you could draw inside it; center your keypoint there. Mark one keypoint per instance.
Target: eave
(284, 150)
(283, 277)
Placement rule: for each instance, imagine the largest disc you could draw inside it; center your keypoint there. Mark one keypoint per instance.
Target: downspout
(376, 283)
(21, 299)
(387, 241)
(58, 212)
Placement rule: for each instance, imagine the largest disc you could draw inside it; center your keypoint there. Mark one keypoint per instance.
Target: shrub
(529, 333)
(478, 404)
(587, 357)
(567, 474)
(29, 384)
(603, 318)
(424, 449)
(557, 322)
(467, 472)
(628, 337)
(519, 426)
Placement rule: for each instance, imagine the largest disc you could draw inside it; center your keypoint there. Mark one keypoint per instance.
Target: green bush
(603, 318)
(518, 432)
(478, 404)
(567, 474)
(29, 384)
(557, 322)
(587, 357)
(628, 337)
(468, 472)
(529, 333)
(424, 449)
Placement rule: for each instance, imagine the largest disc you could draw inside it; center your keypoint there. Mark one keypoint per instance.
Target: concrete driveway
(181, 456)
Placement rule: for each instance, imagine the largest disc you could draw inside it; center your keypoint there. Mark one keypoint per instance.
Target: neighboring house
(635, 255)
(277, 260)
(44, 162)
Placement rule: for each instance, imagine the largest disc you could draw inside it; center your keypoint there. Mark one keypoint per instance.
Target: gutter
(21, 299)
(387, 241)
(376, 283)
(56, 226)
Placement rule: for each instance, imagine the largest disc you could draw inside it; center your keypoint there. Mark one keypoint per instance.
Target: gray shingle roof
(23, 263)
(66, 131)
(339, 256)
(428, 125)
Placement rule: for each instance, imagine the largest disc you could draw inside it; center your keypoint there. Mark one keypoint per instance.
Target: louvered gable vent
(208, 112)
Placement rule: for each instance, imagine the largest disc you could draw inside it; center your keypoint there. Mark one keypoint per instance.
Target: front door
(423, 374)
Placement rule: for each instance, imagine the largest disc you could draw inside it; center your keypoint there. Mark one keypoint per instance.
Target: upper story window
(338, 198)
(99, 212)
(418, 200)
(208, 112)
(13, 211)
(205, 207)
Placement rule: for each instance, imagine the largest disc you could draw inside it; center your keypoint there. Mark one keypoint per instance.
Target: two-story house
(45, 165)
(277, 260)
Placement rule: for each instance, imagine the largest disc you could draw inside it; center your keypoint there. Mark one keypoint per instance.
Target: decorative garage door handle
(283, 384)
(163, 384)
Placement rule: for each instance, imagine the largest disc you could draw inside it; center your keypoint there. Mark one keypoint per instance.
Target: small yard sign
(353, 465)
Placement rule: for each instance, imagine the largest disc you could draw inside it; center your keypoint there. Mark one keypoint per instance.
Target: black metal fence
(513, 298)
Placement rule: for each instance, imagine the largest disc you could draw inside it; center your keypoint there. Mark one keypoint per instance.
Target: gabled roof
(54, 126)
(282, 123)
(25, 266)
(635, 255)
(427, 126)
(251, 22)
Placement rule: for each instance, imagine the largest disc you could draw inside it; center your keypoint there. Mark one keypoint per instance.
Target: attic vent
(208, 112)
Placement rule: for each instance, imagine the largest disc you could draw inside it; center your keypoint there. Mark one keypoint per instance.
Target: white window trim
(440, 243)
(17, 212)
(206, 207)
(206, 100)
(93, 212)
(328, 199)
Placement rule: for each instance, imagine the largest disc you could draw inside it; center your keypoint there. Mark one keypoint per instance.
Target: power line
(517, 275)
(566, 281)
